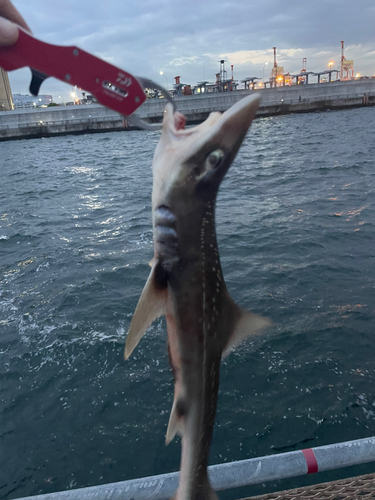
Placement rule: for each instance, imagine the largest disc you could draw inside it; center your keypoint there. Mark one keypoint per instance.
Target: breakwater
(64, 120)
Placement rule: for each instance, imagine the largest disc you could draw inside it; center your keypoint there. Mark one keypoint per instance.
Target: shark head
(192, 162)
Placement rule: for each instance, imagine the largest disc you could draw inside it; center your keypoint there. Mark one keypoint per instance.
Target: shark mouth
(179, 121)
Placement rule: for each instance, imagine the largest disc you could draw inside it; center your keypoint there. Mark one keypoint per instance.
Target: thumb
(8, 32)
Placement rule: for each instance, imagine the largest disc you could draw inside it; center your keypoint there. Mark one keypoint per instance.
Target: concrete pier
(62, 120)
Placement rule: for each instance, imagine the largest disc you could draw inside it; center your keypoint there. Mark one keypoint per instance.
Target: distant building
(30, 101)
(90, 99)
(6, 102)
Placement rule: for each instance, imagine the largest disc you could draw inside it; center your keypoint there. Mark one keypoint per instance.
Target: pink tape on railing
(311, 461)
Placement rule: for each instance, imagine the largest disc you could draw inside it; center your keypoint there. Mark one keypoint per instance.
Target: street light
(165, 76)
(265, 64)
(330, 64)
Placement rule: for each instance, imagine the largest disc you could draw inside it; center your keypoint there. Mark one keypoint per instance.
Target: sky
(188, 38)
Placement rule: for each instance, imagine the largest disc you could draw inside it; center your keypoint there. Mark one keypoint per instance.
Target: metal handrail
(233, 474)
(316, 99)
(70, 121)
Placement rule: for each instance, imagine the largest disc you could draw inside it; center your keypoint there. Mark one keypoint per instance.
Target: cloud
(189, 38)
(260, 57)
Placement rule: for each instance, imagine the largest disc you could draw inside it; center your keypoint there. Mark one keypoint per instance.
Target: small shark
(186, 283)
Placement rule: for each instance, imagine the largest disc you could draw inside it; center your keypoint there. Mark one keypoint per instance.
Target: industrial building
(29, 101)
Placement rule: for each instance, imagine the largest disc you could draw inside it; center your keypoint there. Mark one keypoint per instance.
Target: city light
(265, 64)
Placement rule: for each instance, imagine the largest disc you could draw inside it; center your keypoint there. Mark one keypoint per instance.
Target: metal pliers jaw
(150, 84)
(113, 87)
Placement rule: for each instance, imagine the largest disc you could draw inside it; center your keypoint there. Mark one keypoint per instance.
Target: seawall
(62, 120)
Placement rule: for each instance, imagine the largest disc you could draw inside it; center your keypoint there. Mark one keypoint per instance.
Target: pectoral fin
(175, 425)
(151, 305)
(245, 325)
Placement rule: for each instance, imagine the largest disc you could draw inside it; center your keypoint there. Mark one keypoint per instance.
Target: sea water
(295, 224)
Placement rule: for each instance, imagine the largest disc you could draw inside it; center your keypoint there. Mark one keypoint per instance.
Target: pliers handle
(113, 87)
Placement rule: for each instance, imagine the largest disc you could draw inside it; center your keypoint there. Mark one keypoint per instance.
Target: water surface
(295, 223)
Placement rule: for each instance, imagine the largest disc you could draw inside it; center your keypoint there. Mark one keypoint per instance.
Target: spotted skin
(186, 282)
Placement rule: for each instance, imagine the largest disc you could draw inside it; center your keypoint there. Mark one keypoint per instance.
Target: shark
(186, 283)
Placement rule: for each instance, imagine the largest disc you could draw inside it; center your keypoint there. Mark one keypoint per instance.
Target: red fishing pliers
(113, 87)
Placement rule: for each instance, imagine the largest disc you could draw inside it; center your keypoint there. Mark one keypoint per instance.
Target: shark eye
(214, 158)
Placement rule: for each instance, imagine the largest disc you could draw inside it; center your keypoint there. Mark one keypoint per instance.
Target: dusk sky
(188, 38)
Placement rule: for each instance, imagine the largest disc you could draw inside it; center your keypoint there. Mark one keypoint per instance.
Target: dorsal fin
(245, 324)
(151, 305)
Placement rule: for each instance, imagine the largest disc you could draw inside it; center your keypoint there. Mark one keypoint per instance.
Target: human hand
(9, 17)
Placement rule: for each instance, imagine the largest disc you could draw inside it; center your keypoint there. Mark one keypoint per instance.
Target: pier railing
(197, 109)
(232, 475)
(59, 121)
(318, 99)
(69, 121)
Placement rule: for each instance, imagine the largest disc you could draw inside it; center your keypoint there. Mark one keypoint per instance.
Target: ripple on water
(296, 236)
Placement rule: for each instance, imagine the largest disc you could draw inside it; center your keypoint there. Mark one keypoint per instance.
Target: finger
(8, 11)
(8, 32)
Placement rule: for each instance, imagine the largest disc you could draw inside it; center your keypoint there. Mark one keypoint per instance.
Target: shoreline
(94, 118)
